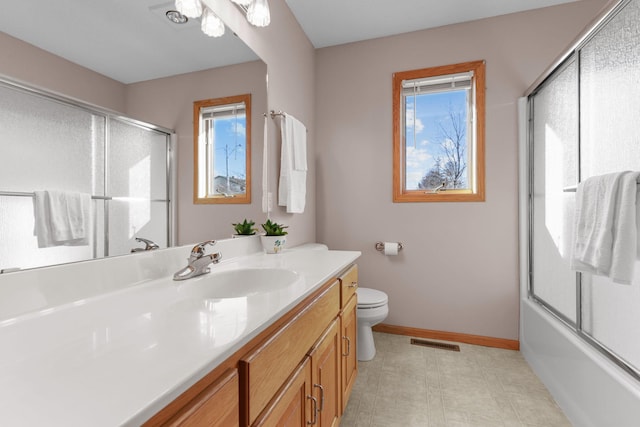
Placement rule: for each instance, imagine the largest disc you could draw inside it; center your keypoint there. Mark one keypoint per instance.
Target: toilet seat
(371, 298)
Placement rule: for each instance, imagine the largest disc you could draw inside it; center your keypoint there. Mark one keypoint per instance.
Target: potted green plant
(274, 239)
(245, 228)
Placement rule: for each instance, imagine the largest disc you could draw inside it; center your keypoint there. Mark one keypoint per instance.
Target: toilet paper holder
(380, 246)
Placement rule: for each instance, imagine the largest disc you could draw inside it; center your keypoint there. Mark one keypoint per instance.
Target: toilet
(372, 309)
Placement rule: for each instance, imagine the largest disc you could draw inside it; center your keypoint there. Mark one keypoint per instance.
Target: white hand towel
(593, 234)
(625, 230)
(265, 169)
(62, 218)
(41, 215)
(293, 165)
(605, 235)
(299, 143)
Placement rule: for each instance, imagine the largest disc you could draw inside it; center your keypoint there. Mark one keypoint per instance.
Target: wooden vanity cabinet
(265, 369)
(348, 332)
(312, 396)
(297, 372)
(348, 285)
(292, 406)
(326, 379)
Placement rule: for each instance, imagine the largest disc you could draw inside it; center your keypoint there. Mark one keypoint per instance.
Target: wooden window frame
(197, 107)
(400, 194)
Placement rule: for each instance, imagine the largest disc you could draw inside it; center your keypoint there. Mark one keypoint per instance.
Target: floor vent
(435, 344)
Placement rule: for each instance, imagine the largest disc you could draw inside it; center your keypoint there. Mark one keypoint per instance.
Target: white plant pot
(273, 244)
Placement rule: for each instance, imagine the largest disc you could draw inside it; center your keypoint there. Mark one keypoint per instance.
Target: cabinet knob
(353, 285)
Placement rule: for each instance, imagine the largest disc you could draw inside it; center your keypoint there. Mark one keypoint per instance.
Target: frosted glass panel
(610, 65)
(47, 145)
(611, 314)
(19, 247)
(50, 143)
(555, 139)
(137, 162)
(610, 107)
(138, 218)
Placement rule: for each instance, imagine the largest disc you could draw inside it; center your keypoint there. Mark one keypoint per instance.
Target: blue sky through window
(428, 125)
(230, 147)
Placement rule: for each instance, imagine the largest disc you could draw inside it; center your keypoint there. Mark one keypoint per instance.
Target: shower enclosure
(582, 122)
(49, 142)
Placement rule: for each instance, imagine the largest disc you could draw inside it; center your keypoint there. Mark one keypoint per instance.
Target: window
(438, 136)
(222, 150)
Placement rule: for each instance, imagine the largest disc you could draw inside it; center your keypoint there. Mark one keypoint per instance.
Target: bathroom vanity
(222, 349)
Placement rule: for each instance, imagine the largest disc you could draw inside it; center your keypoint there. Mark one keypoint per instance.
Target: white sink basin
(243, 283)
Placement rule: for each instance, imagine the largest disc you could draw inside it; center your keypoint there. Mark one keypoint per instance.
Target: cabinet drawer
(348, 284)
(216, 406)
(268, 367)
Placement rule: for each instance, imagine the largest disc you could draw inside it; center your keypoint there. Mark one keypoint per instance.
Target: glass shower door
(610, 93)
(554, 152)
(137, 181)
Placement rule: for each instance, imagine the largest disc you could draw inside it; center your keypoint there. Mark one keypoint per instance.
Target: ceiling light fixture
(211, 24)
(258, 13)
(189, 8)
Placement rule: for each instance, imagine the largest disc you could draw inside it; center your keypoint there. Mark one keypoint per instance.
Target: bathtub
(591, 389)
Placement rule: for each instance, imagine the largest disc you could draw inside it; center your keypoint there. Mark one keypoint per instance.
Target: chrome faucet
(148, 245)
(198, 262)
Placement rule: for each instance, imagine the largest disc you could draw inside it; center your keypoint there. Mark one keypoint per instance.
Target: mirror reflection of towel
(62, 218)
(293, 165)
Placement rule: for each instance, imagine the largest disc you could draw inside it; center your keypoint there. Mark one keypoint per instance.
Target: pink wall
(459, 269)
(290, 60)
(169, 102)
(29, 64)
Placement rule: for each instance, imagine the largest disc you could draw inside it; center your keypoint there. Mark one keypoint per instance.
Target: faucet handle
(198, 250)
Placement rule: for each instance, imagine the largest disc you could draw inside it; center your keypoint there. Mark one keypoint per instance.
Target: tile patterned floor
(408, 385)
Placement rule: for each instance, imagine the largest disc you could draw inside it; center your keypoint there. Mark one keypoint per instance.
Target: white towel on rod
(293, 165)
(62, 218)
(265, 169)
(625, 230)
(605, 235)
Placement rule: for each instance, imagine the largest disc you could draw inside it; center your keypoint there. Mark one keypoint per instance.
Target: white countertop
(118, 358)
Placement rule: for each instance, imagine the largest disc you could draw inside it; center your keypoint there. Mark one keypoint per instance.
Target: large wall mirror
(161, 69)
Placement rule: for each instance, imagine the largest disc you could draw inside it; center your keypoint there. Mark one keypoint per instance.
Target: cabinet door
(348, 320)
(326, 382)
(216, 406)
(267, 367)
(293, 406)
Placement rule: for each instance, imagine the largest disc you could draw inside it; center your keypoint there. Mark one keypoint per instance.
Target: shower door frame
(573, 54)
(108, 116)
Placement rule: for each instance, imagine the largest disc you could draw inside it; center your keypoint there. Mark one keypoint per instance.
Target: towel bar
(26, 194)
(573, 189)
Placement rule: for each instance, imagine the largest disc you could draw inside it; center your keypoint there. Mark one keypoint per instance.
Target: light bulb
(258, 13)
(244, 3)
(211, 25)
(189, 8)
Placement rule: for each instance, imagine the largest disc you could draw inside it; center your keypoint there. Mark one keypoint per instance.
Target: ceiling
(132, 41)
(127, 40)
(333, 22)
